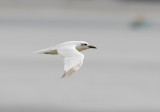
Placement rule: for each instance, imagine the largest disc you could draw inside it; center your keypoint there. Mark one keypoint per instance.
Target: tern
(71, 52)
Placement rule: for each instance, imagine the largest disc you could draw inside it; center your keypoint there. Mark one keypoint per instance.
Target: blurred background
(122, 75)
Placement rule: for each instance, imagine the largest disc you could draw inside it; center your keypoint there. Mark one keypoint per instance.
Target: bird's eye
(84, 44)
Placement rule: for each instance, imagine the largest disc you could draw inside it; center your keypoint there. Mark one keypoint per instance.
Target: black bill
(92, 47)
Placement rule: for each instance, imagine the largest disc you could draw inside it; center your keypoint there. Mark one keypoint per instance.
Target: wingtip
(63, 76)
(38, 52)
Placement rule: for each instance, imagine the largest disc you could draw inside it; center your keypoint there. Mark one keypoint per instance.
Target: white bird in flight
(73, 59)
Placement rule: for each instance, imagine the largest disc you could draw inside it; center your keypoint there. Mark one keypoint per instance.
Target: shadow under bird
(70, 51)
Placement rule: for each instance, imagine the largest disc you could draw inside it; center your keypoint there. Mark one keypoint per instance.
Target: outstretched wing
(72, 65)
(73, 60)
(50, 50)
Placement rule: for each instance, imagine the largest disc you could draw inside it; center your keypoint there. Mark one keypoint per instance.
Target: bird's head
(81, 45)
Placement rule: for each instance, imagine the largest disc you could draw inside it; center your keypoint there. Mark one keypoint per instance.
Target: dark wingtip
(63, 76)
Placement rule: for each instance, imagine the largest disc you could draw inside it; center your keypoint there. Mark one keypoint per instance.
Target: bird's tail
(40, 52)
(47, 51)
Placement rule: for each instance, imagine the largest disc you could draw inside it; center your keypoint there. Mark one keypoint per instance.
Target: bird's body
(73, 59)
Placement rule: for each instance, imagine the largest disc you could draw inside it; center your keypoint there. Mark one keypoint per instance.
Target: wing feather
(72, 71)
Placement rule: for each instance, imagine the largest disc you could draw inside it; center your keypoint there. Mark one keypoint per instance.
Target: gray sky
(121, 75)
